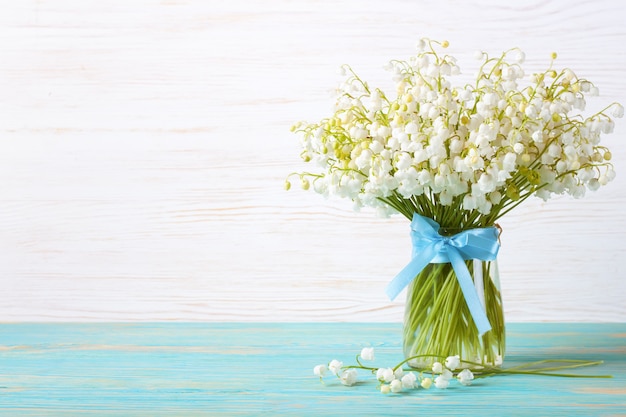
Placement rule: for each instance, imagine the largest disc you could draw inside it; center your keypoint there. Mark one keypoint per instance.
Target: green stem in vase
(438, 321)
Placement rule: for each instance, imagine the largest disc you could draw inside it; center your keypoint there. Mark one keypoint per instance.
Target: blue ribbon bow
(431, 247)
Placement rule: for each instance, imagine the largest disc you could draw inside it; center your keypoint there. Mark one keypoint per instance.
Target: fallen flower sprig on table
(399, 379)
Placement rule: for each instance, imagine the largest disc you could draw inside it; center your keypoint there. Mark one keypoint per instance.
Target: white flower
(580, 103)
(411, 128)
(395, 386)
(554, 150)
(445, 198)
(495, 197)
(426, 383)
(367, 353)
(320, 370)
(483, 205)
(376, 146)
(447, 374)
(469, 202)
(349, 377)
(473, 160)
(437, 368)
(441, 382)
(385, 374)
(593, 184)
(385, 389)
(608, 127)
(456, 146)
(465, 377)
(486, 183)
(409, 380)
(543, 194)
(453, 362)
(578, 191)
(618, 110)
(335, 366)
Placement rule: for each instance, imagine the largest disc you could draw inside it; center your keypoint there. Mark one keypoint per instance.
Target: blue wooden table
(252, 369)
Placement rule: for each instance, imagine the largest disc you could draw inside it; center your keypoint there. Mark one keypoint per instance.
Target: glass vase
(437, 320)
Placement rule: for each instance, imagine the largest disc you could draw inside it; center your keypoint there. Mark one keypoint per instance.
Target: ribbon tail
(478, 281)
(469, 291)
(410, 271)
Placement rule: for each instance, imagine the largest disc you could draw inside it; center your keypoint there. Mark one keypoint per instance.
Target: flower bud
(335, 366)
(453, 362)
(367, 353)
(465, 377)
(348, 377)
(441, 382)
(320, 370)
(385, 374)
(395, 386)
(408, 380)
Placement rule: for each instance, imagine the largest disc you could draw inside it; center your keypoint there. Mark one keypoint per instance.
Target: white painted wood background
(144, 145)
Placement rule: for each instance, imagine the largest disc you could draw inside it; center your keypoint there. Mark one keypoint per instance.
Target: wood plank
(145, 144)
(240, 369)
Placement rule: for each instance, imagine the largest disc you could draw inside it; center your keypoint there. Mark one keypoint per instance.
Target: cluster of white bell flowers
(396, 379)
(481, 147)
(443, 373)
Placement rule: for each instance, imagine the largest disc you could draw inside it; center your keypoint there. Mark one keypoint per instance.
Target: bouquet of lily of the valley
(453, 160)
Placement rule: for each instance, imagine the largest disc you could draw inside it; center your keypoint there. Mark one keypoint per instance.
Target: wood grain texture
(245, 369)
(144, 147)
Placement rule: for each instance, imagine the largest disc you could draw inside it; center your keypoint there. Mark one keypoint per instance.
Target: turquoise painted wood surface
(244, 369)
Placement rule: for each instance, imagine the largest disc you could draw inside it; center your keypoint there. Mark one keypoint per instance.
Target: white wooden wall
(144, 145)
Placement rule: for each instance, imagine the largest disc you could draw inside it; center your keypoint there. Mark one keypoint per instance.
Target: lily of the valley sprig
(462, 155)
(443, 373)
